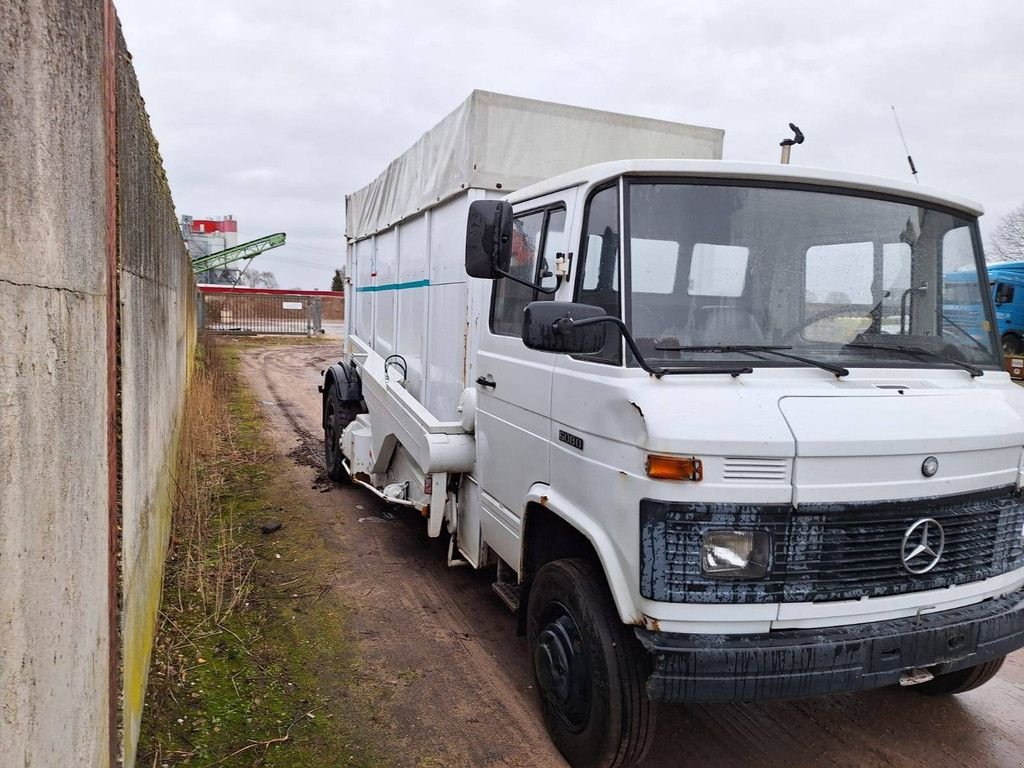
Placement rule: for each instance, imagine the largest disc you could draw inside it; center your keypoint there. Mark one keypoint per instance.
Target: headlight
(735, 554)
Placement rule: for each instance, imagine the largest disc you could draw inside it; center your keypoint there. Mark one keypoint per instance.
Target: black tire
(962, 680)
(337, 416)
(1011, 344)
(590, 671)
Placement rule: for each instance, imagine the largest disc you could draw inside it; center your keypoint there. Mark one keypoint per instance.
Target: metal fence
(256, 311)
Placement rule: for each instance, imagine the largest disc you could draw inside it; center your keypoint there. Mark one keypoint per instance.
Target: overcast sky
(272, 111)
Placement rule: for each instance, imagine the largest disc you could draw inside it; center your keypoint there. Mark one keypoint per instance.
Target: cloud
(274, 111)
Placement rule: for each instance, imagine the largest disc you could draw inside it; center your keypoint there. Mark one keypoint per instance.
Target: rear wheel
(962, 680)
(590, 671)
(337, 416)
(1011, 344)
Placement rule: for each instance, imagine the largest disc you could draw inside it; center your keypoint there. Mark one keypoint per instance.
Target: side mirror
(564, 326)
(488, 239)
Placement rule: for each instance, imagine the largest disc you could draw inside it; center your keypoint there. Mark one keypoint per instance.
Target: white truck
(722, 431)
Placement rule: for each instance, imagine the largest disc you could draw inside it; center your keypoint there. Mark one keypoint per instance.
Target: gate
(225, 309)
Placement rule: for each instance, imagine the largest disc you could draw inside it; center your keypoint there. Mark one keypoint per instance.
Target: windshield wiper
(567, 323)
(770, 349)
(974, 370)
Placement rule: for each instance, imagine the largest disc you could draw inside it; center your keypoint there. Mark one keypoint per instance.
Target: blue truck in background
(962, 307)
(1007, 281)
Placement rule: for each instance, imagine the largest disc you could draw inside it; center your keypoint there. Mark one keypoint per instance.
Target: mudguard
(346, 379)
(614, 569)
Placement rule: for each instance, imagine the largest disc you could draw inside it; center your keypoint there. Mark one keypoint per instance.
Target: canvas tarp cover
(499, 142)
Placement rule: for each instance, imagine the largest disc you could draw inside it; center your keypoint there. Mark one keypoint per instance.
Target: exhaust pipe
(786, 144)
(916, 676)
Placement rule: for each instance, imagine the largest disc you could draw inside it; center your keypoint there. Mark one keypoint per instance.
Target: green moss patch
(248, 628)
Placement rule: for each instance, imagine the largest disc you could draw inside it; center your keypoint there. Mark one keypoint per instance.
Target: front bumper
(790, 664)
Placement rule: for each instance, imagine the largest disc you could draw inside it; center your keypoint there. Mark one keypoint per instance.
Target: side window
(957, 251)
(540, 232)
(554, 243)
(718, 270)
(654, 265)
(1004, 293)
(598, 281)
(896, 263)
(839, 274)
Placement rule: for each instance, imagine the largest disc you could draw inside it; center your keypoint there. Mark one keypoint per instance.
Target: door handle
(484, 381)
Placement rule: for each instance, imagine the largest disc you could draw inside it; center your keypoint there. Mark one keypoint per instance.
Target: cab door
(514, 383)
(1002, 297)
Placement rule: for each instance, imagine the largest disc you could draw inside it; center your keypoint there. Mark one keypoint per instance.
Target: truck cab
(1007, 280)
(724, 434)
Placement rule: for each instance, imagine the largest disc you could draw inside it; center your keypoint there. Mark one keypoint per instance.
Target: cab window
(536, 237)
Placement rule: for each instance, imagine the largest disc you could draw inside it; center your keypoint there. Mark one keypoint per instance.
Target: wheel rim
(330, 439)
(562, 669)
(1009, 346)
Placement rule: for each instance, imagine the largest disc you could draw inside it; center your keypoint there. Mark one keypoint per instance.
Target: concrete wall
(157, 336)
(54, 641)
(78, 595)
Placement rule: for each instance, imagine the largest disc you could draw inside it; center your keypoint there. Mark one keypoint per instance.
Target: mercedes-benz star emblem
(922, 546)
(929, 466)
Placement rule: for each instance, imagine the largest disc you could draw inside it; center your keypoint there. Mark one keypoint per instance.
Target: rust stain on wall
(113, 365)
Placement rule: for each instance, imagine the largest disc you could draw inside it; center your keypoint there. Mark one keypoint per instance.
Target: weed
(234, 679)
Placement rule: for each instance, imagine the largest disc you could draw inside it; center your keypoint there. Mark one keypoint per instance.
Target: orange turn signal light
(675, 468)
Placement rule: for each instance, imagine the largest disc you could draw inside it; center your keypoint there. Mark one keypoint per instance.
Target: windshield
(847, 280)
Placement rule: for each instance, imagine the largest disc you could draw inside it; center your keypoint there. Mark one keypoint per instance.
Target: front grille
(823, 552)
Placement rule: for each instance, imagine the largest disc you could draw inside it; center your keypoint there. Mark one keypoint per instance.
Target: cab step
(509, 594)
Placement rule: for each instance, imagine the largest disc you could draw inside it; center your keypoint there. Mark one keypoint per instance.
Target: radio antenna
(906, 149)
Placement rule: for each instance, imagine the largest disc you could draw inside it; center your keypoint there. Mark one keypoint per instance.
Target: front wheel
(590, 671)
(962, 680)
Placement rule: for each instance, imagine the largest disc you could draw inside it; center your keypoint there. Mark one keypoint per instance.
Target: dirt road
(460, 679)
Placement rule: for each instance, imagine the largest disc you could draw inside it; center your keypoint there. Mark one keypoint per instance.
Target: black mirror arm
(641, 361)
(630, 342)
(538, 288)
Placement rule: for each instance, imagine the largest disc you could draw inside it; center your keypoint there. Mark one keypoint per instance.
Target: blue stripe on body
(394, 286)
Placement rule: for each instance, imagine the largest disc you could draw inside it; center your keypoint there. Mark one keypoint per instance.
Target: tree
(1007, 242)
(338, 281)
(253, 278)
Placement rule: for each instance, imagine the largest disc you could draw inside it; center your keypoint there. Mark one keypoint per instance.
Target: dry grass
(207, 561)
(210, 561)
(237, 672)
